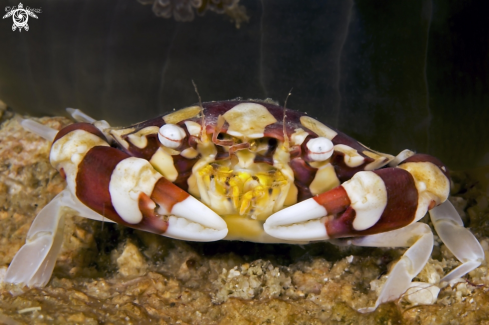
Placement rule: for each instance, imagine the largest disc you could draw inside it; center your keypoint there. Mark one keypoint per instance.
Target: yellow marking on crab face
(243, 228)
(246, 158)
(291, 197)
(193, 188)
(182, 114)
(162, 161)
(248, 120)
(324, 180)
(318, 127)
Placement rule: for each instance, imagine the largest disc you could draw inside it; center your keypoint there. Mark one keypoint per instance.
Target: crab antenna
(203, 133)
(286, 138)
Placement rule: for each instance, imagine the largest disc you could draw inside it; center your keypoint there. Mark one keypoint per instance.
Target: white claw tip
(171, 135)
(320, 148)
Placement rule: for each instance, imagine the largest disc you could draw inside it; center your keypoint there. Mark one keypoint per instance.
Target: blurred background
(392, 74)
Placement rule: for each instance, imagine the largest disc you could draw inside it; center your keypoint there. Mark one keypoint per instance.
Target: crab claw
(306, 220)
(370, 202)
(131, 192)
(189, 218)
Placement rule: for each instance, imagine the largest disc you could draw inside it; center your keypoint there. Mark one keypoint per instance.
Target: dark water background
(392, 74)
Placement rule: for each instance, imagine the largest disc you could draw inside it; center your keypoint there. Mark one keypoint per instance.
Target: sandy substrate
(109, 274)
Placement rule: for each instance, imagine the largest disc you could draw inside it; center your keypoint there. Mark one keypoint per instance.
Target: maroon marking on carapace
(303, 177)
(342, 170)
(421, 157)
(400, 210)
(167, 194)
(267, 157)
(334, 201)
(184, 169)
(92, 186)
(79, 126)
(146, 152)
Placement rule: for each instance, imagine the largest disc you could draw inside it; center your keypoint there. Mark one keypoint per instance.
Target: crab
(246, 170)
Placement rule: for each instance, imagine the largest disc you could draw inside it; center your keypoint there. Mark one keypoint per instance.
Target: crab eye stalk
(171, 135)
(319, 149)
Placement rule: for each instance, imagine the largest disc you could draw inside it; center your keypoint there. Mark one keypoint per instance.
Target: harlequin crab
(246, 170)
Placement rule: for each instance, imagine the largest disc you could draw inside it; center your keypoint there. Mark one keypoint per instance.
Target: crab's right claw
(189, 218)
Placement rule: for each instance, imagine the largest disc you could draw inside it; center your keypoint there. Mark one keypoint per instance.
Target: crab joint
(319, 149)
(171, 135)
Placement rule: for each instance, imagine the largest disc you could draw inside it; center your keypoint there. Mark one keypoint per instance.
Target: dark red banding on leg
(79, 126)
(93, 178)
(167, 194)
(402, 202)
(92, 188)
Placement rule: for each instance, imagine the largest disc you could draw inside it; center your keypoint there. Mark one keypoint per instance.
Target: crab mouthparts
(255, 192)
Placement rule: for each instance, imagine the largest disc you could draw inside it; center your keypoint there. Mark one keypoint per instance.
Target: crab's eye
(319, 149)
(171, 135)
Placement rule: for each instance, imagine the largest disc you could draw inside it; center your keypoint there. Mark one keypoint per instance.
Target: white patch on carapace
(324, 180)
(248, 120)
(130, 177)
(298, 137)
(68, 151)
(352, 158)
(318, 127)
(162, 161)
(139, 138)
(182, 114)
(189, 153)
(193, 128)
(137, 141)
(368, 197)
(431, 184)
(320, 148)
(171, 135)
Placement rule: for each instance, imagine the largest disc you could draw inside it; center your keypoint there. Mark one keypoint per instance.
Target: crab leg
(420, 239)
(460, 241)
(34, 262)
